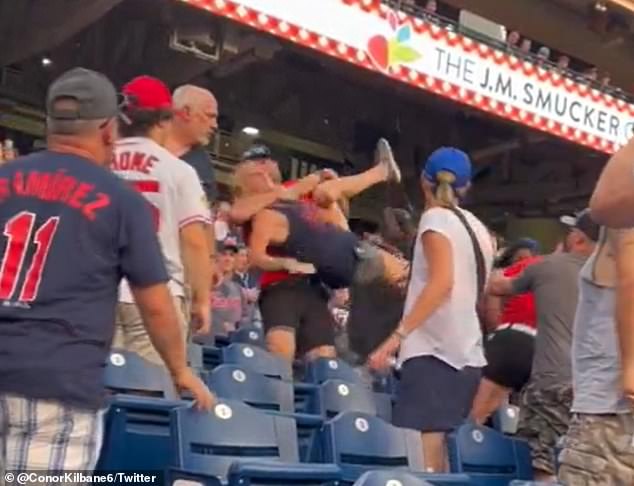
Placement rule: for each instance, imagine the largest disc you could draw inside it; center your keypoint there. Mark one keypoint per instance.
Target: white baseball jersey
(175, 194)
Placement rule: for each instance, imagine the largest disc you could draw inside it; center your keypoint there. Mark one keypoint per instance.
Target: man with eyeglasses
(181, 217)
(72, 229)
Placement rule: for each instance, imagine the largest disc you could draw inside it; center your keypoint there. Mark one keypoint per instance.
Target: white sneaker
(384, 156)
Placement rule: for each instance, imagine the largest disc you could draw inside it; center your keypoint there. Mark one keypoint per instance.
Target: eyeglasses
(257, 152)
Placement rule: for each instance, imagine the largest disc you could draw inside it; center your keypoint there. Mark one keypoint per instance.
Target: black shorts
(433, 396)
(301, 305)
(509, 354)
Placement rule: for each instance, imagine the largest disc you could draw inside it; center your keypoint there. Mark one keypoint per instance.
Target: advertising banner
(434, 58)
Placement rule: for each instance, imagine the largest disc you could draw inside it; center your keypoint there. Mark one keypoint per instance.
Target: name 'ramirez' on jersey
(72, 230)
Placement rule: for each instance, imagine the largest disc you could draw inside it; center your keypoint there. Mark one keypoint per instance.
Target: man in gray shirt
(598, 448)
(546, 400)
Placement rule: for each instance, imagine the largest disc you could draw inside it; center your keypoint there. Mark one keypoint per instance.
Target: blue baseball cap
(451, 160)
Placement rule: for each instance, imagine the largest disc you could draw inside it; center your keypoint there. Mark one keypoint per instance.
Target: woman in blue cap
(439, 339)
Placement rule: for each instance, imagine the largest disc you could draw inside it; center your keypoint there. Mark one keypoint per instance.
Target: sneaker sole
(385, 156)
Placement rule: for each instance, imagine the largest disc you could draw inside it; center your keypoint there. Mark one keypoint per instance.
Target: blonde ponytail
(445, 194)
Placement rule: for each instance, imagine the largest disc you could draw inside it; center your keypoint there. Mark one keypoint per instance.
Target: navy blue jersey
(329, 248)
(71, 231)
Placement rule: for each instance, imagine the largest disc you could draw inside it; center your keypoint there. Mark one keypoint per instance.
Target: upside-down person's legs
(385, 170)
(489, 397)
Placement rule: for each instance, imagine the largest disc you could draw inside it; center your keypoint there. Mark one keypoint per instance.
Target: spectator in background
(431, 7)
(563, 62)
(513, 39)
(7, 151)
(222, 227)
(543, 53)
(526, 46)
(439, 334)
(509, 347)
(546, 400)
(605, 80)
(195, 125)
(591, 74)
(227, 299)
(248, 280)
(598, 446)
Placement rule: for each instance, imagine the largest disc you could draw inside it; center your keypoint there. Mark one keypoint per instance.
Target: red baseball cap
(148, 93)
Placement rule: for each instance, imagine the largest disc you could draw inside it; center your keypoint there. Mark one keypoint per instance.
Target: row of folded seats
(266, 429)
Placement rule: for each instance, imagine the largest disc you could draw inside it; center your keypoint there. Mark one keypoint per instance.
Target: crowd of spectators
(465, 326)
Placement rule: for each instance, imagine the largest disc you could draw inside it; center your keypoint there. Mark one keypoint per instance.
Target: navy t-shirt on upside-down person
(71, 231)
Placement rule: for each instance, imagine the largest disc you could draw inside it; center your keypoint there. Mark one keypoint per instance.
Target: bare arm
(612, 202)
(492, 311)
(499, 285)
(438, 254)
(625, 307)
(161, 321)
(261, 235)
(247, 207)
(194, 240)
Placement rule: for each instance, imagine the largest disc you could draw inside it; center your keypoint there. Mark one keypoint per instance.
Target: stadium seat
(506, 419)
(128, 373)
(212, 357)
(322, 369)
(385, 383)
(248, 335)
(359, 442)
(137, 434)
(195, 356)
(257, 359)
(242, 446)
(268, 394)
(489, 457)
(338, 396)
(259, 391)
(390, 478)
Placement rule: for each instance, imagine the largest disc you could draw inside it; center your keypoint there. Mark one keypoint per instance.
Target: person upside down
(309, 238)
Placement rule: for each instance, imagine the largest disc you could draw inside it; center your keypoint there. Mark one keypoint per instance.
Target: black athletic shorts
(299, 304)
(509, 354)
(433, 396)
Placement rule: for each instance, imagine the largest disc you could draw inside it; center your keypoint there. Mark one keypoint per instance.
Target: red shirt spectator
(520, 309)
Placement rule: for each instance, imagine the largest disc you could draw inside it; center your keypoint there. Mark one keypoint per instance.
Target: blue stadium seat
(338, 396)
(259, 391)
(506, 419)
(137, 434)
(390, 478)
(257, 359)
(323, 369)
(385, 383)
(489, 457)
(130, 374)
(195, 356)
(268, 394)
(359, 442)
(212, 357)
(248, 335)
(242, 446)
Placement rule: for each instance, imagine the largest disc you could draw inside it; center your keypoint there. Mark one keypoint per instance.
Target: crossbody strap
(479, 258)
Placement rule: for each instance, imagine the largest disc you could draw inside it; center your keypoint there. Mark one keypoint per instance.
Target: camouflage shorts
(544, 418)
(598, 450)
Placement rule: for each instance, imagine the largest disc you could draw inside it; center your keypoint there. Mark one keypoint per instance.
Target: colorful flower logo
(386, 53)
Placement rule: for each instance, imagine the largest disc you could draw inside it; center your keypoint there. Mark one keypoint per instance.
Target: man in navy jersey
(72, 230)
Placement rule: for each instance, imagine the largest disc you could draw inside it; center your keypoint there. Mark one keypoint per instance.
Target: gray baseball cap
(584, 223)
(94, 95)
